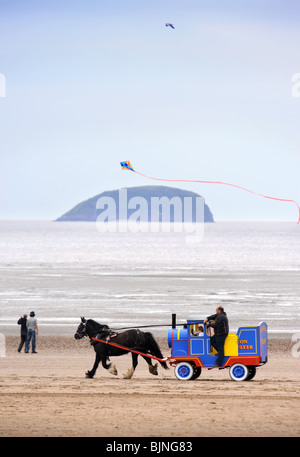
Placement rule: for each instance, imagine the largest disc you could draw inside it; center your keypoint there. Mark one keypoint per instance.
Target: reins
(144, 326)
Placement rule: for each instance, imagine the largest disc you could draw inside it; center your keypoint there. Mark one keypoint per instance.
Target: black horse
(131, 339)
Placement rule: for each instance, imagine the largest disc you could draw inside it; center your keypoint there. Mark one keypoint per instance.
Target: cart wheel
(252, 373)
(197, 372)
(184, 371)
(238, 372)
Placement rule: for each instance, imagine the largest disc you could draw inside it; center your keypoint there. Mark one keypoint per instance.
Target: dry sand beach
(47, 394)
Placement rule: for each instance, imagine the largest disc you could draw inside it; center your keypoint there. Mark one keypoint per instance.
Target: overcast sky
(90, 83)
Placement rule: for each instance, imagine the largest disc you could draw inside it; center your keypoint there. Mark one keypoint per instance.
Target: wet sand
(47, 394)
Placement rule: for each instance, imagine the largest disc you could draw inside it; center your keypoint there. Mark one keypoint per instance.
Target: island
(147, 203)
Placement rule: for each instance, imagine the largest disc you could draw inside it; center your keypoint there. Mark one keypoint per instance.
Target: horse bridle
(82, 332)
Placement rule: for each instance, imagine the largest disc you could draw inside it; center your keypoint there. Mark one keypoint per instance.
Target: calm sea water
(66, 270)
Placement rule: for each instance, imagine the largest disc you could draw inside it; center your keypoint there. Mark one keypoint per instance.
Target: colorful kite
(127, 166)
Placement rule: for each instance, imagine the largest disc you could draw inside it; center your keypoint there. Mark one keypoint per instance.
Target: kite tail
(298, 210)
(225, 184)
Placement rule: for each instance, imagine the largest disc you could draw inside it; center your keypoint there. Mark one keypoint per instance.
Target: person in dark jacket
(23, 322)
(221, 329)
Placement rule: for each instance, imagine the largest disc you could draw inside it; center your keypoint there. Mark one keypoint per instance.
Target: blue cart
(244, 350)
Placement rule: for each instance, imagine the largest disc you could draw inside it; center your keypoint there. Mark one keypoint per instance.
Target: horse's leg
(91, 373)
(130, 371)
(152, 368)
(110, 368)
(113, 370)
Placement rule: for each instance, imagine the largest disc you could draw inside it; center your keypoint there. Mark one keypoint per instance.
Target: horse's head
(81, 330)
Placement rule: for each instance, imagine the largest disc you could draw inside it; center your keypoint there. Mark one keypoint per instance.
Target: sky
(90, 83)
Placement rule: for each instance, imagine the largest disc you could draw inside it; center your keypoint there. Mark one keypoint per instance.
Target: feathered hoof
(113, 370)
(153, 369)
(129, 373)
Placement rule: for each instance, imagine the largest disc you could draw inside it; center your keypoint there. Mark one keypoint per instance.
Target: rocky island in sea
(144, 202)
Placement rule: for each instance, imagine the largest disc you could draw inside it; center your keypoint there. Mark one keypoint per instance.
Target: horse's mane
(97, 327)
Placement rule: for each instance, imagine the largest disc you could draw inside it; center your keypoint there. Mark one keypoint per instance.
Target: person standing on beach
(32, 331)
(23, 322)
(221, 328)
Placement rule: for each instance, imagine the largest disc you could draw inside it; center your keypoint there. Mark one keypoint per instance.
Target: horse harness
(107, 335)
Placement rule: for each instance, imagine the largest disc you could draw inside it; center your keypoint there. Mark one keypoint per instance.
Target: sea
(65, 270)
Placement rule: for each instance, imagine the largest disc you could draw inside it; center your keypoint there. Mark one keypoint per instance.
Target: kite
(127, 166)
(170, 25)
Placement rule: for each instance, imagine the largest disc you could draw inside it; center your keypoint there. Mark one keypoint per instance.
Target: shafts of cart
(132, 350)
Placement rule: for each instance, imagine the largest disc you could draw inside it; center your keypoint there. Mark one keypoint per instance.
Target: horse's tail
(154, 349)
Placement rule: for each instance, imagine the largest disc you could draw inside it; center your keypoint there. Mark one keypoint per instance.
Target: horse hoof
(88, 374)
(129, 373)
(153, 369)
(113, 370)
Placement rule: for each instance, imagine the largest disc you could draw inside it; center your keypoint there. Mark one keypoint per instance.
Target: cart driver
(221, 329)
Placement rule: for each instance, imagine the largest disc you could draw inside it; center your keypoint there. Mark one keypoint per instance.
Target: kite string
(226, 184)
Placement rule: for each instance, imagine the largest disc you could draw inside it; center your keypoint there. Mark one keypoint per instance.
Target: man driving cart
(221, 330)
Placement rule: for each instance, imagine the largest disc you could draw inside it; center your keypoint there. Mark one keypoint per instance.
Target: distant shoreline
(13, 332)
(68, 343)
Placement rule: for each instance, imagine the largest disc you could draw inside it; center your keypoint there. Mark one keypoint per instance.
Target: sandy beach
(47, 395)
